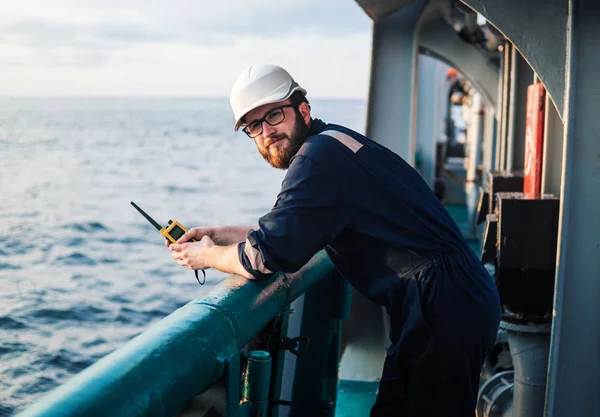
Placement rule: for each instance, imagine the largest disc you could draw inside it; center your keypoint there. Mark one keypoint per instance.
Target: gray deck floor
(355, 398)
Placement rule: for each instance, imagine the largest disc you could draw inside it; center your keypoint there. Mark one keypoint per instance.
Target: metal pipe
(505, 106)
(157, 372)
(519, 393)
(529, 347)
(499, 116)
(256, 382)
(495, 398)
(512, 111)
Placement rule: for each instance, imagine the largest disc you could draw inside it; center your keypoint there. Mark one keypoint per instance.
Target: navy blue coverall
(391, 238)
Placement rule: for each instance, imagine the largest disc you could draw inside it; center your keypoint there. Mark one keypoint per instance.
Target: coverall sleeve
(305, 218)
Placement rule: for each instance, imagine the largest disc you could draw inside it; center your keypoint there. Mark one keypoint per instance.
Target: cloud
(327, 67)
(110, 24)
(121, 47)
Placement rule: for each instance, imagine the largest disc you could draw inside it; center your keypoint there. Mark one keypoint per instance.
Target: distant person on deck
(458, 92)
(385, 231)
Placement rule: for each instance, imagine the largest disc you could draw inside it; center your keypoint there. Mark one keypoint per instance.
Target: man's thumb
(186, 236)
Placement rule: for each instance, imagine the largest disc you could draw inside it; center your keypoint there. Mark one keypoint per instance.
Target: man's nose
(268, 130)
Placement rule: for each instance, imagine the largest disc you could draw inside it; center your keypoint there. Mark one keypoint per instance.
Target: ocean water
(81, 272)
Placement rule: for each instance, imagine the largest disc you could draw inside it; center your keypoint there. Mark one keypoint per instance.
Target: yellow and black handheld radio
(172, 232)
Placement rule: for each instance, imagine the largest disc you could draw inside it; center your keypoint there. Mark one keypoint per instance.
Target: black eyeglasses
(273, 118)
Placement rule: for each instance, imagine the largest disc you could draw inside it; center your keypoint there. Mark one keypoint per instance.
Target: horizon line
(134, 96)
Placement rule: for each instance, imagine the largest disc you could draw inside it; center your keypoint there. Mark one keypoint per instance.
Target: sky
(190, 48)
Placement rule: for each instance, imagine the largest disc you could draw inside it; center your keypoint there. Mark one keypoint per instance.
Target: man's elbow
(256, 275)
(241, 271)
(246, 274)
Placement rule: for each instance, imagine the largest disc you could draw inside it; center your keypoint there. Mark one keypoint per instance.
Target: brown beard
(283, 157)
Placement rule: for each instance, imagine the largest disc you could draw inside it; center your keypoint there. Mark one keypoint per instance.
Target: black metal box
(502, 181)
(495, 182)
(526, 253)
(490, 235)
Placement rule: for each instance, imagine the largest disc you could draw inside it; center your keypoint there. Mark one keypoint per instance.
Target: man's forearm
(225, 259)
(228, 235)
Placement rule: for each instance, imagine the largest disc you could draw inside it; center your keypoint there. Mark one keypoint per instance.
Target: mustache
(274, 139)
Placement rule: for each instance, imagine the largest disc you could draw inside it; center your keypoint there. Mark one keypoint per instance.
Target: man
(458, 92)
(384, 230)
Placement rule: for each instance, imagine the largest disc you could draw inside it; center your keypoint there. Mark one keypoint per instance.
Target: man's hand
(206, 254)
(194, 255)
(196, 233)
(220, 235)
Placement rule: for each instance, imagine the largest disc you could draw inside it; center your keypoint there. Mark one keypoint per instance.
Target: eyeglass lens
(272, 118)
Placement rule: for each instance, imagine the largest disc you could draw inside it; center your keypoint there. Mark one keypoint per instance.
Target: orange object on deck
(534, 140)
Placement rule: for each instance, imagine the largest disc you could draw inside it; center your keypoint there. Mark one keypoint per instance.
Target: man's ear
(304, 111)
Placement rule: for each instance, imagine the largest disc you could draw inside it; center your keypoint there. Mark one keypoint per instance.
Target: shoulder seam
(344, 138)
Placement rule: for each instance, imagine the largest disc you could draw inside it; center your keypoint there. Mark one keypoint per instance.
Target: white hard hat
(258, 85)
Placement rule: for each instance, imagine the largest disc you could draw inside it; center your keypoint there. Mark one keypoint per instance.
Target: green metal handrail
(157, 372)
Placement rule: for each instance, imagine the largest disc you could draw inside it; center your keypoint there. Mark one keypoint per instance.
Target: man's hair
(297, 97)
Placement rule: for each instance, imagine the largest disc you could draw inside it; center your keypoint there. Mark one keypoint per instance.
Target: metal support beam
(288, 372)
(538, 31)
(512, 111)
(391, 114)
(489, 140)
(504, 111)
(475, 129)
(315, 381)
(376, 9)
(574, 368)
(428, 116)
(521, 76)
(499, 115)
(553, 150)
(437, 37)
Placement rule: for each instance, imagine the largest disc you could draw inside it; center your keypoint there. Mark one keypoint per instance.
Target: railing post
(316, 378)
(256, 382)
(232, 386)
